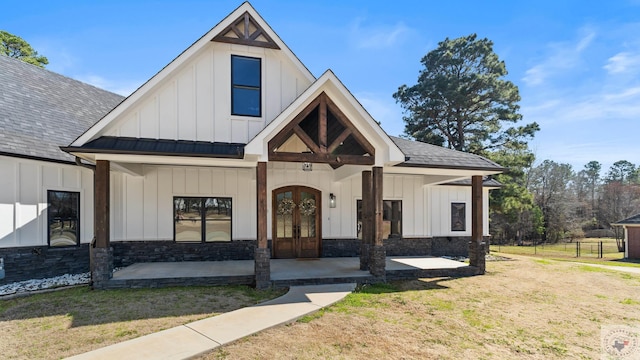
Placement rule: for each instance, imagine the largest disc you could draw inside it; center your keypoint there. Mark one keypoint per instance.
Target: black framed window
(245, 86)
(202, 219)
(63, 217)
(458, 216)
(391, 219)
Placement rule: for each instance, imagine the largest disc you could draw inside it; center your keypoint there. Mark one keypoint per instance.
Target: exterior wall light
(307, 166)
(332, 200)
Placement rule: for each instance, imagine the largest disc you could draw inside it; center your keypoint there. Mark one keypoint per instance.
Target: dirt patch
(527, 309)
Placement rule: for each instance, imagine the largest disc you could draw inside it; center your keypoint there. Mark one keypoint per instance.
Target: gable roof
(633, 220)
(346, 102)
(419, 154)
(41, 110)
(205, 40)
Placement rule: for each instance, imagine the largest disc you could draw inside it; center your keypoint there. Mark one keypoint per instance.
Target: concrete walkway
(199, 337)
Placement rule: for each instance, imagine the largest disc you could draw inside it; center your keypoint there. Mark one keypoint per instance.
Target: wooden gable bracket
(319, 149)
(246, 31)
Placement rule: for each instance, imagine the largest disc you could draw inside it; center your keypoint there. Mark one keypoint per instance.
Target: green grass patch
(474, 319)
(630, 302)
(313, 316)
(543, 261)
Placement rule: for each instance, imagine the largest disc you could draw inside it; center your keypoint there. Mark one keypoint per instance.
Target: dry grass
(588, 249)
(68, 322)
(527, 309)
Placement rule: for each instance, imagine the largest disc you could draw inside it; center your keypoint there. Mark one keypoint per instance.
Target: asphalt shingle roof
(41, 110)
(634, 220)
(421, 154)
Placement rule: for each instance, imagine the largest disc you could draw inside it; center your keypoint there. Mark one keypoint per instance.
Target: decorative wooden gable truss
(246, 31)
(321, 133)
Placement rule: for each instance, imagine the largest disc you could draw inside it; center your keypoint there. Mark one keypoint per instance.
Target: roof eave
(80, 150)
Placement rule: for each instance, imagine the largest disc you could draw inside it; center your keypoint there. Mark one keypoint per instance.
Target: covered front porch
(284, 272)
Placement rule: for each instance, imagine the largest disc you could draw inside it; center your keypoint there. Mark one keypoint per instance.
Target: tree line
(463, 101)
(568, 204)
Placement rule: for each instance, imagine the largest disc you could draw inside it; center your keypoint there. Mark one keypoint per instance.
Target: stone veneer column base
(477, 254)
(262, 258)
(101, 266)
(365, 250)
(377, 263)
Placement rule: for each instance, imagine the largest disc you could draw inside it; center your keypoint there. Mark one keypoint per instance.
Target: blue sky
(577, 63)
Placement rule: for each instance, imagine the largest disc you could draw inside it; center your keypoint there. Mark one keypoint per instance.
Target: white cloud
(377, 37)
(563, 56)
(622, 63)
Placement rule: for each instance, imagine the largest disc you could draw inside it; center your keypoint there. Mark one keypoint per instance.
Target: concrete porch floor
(285, 271)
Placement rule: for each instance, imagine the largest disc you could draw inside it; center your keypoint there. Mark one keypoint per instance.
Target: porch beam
(361, 139)
(323, 158)
(322, 123)
(377, 205)
(261, 183)
(343, 136)
(102, 197)
(378, 253)
(306, 139)
(262, 254)
(100, 251)
(477, 244)
(367, 220)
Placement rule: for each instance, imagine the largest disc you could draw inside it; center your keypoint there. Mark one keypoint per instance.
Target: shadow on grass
(404, 285)
(92, 307)
(627, 261)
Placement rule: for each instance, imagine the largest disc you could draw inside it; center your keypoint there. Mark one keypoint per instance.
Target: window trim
(464, 218)
(259, 87)
(78, 228)
(203, 234)
(391, 236)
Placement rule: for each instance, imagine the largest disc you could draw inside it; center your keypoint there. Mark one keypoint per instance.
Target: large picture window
(458, 217)
(391, 219)
(245, 86)
(63, 213)
(198, 219)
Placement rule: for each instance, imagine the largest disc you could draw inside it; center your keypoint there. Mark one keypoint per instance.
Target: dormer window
(245, 86)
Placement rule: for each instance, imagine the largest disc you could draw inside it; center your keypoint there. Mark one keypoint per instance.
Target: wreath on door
(307, 207)
(285, 207)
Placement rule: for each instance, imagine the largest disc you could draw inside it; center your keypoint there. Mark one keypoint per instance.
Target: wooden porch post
(262, 254)
(367, 228)
(101, 253)
(477, 244)
(378, 252)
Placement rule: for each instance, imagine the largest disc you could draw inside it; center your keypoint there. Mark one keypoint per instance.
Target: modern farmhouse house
(234, 150)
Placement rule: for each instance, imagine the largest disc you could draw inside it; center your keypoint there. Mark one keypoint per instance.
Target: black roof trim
(487, 182)
(451, 167)
(163, 147)
(36, 158)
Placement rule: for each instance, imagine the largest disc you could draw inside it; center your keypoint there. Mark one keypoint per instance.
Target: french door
(296, 230)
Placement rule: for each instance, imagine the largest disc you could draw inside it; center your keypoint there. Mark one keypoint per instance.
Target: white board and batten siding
(143, 205)
(441, 197)
(194, 103)
(23, 199)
